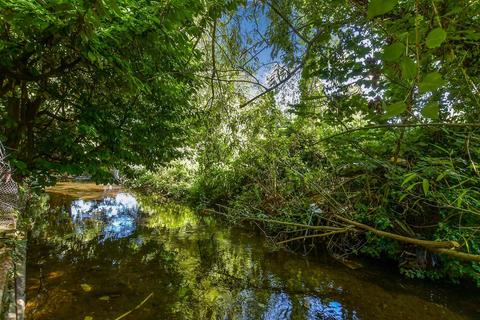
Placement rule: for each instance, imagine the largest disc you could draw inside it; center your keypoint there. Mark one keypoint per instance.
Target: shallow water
(102, 254)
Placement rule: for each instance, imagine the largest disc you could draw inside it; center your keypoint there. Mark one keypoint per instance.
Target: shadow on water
(99, 255)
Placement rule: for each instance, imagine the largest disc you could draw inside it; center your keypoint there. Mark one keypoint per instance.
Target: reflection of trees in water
(198, 269)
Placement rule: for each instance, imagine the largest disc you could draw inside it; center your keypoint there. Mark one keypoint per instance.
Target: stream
(108, 254)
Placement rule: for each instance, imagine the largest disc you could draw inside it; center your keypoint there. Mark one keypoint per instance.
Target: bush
(173, 180)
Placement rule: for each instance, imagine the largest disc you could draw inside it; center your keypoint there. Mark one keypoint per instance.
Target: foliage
(404, 70)
(87, 86)
(173, 180)
(379, 123)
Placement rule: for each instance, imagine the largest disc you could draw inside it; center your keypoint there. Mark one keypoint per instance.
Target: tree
(88, 85)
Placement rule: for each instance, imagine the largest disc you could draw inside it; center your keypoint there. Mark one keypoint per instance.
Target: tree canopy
(89, 85)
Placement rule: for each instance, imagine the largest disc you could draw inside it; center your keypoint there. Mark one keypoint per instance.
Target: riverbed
(106, 253)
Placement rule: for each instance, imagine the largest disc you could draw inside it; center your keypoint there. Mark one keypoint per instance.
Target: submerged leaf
(86, 287)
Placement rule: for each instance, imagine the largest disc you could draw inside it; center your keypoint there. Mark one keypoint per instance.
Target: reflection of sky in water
(332, 310)
(279, 307)
(117, 215)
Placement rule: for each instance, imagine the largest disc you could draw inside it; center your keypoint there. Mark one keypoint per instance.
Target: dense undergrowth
(431, 191)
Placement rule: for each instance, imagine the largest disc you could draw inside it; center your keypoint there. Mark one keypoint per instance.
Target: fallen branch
(439, 247)
(318, 235)
(137, 307)
(423, 243)
(458, 254)
(292, 224)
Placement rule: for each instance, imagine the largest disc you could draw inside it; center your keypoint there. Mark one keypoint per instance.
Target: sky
(256, 29)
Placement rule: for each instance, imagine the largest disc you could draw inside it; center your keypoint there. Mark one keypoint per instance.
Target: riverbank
(300, 208)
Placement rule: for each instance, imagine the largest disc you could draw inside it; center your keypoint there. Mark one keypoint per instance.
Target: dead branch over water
(449, 248)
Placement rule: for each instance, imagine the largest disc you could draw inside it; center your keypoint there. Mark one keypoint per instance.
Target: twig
(470, 156)
(287, 21)
(214, 67)
(292, 224)
(137, 307)
(318, 235)
(290, 75)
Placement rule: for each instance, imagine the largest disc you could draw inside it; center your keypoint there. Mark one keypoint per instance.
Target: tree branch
(287, 21)
(290, 75)
(402, 125)
(423, 243)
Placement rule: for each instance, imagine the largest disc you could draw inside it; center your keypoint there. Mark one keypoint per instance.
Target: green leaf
(431, 82)
(409, 177)
(395, 109)
(425, 186)
(436, 37)
(431, 110)
(91, 56)
(402, 197)
(408, 68)
(442, 175)
(20, 165)
(410, 187)
(460, 198)
(379, 7)
(393, 52)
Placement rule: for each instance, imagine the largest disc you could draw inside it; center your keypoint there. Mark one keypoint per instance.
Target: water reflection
(316, 309)
(126, 247)
(117, 214)
(279, 307)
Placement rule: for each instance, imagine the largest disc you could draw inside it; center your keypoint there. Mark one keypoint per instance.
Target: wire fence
(8, 194)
